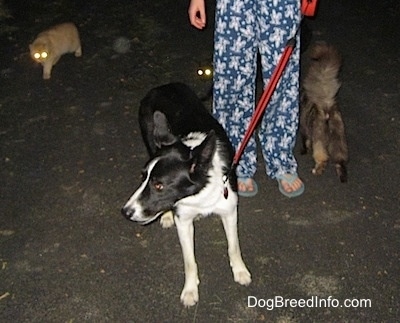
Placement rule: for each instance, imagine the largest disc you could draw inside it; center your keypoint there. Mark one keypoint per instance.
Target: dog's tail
(321, 82)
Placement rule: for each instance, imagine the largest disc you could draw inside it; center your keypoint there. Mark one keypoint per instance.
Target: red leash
(266, 96)
(308, 8)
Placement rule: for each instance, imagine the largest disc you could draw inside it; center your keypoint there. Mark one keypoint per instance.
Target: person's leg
(279, 125)
(235, 63)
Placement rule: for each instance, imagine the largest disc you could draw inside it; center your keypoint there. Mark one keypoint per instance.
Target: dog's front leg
(240, 272)
(190, 293)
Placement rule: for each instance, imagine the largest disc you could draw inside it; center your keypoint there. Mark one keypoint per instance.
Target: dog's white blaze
(133, 201)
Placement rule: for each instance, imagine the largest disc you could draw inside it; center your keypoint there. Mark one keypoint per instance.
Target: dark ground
(71, 155)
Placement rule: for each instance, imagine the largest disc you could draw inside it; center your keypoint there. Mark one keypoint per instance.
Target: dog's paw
(167, 220)
(242, 277)
(189, 297)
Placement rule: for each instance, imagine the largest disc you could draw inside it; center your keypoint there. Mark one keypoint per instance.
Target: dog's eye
(158, 186)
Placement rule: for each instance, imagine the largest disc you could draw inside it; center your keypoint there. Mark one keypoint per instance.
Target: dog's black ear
(204, 153)
(162, 133)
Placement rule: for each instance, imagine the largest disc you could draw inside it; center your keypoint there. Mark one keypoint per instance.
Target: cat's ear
(162, 133)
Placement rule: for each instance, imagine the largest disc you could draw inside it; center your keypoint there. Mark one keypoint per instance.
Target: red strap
(308, 7)
(266, 96)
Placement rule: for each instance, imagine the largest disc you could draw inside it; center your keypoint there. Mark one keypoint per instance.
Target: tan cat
(54, 42)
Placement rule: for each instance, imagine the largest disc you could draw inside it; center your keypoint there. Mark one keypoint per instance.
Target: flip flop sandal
(290, 178)
(248, 193)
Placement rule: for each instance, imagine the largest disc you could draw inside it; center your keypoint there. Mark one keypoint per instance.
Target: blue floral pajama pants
(244, 28)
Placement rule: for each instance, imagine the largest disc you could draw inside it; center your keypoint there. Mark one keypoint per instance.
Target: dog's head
(177, 171)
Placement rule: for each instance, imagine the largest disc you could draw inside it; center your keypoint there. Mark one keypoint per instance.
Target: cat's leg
(78, 52)
(338, 145)
(47, 66)
(320, 138)
(320, 156)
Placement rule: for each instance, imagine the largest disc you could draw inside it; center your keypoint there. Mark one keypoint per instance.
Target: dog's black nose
(127, 212)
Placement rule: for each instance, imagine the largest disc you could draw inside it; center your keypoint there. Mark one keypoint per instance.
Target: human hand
(197, 13)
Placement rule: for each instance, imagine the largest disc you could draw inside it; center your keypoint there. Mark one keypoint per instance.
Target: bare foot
(247, 187)
(291, 186)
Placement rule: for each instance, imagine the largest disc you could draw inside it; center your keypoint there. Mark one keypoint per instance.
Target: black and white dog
(187, 176)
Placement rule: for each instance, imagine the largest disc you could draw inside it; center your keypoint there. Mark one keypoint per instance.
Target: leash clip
(225, 181)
